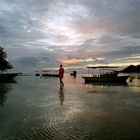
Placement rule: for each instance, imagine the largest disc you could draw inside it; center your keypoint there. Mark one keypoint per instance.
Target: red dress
(61, 73)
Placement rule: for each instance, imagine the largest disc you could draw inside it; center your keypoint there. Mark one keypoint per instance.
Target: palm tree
(4, 64)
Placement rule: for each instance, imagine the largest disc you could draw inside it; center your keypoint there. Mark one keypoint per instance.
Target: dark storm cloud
(124, 52)
(36, 61)
(28, 61)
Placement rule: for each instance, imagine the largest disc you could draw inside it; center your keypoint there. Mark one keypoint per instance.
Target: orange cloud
(71, 61)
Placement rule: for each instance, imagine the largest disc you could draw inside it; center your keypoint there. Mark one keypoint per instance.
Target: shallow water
(37, 108)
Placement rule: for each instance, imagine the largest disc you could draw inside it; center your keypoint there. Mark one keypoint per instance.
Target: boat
(6, 77)
(108, 77)
(37, 73)
(74, 73)
(49, 73)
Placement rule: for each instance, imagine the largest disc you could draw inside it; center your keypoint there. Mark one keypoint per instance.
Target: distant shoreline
(132, 69)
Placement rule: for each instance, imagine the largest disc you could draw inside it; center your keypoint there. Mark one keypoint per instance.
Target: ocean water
(35, 108)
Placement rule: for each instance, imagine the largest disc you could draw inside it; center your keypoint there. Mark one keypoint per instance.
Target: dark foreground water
(37, 109)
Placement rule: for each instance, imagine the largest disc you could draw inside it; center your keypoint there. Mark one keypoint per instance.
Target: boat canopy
(102, 67)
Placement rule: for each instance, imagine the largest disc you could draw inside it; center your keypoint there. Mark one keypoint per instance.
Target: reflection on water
(103, 87)
(34, 108)
(4, 88)
(61, 95)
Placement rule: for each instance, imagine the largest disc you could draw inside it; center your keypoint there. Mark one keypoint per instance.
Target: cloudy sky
(42, 34)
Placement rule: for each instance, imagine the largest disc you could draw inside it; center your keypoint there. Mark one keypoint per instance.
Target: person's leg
(60, 80)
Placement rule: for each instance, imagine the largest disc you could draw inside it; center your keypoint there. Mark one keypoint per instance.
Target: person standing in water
(61, 74)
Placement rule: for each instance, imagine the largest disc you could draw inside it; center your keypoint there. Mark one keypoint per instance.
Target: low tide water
(35, 108)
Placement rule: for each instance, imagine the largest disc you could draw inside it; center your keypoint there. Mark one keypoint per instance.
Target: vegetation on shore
(131, 69)
(4, 64)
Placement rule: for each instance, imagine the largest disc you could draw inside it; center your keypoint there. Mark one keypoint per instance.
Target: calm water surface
(36, 108)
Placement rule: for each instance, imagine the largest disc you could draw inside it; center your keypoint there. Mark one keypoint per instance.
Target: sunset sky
(42, 34)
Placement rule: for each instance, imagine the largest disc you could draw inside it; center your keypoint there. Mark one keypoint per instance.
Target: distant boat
(74, 73)
(37, 73)
(49, 73)
(5, 77)
(111, 77)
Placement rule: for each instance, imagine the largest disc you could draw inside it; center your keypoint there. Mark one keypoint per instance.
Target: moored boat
(111, 77)
(5, 77)
(49, 73)
(74, 73)
(37, 73)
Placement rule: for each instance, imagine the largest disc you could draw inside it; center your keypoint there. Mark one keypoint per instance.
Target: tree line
(4, 64)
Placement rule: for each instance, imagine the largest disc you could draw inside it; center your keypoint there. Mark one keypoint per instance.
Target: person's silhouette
(61, 75)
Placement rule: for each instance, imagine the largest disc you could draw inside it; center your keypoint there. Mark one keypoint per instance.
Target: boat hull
(50, 75)
(117, 79)
(5, 77)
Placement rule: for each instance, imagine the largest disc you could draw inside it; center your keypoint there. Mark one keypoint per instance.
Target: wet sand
(38, 109)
